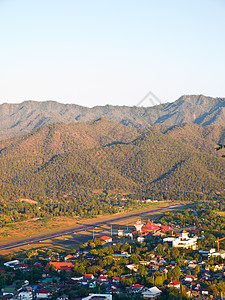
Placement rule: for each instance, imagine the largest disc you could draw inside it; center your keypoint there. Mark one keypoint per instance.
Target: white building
(12, 263)
(25, 295)
(98, 296)
(43, 293)
(138, 225)
(140, 239)
(206, 252)
(182, 242)
(120, 233)
(218, 253)
(151, 293)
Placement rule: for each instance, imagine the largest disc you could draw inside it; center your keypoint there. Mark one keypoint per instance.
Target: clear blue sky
(97, 52)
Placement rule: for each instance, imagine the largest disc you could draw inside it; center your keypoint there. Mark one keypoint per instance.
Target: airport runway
(95, 223)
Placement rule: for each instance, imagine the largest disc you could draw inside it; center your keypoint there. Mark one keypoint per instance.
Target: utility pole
(111, 231)
(93, 234)
(181, 295)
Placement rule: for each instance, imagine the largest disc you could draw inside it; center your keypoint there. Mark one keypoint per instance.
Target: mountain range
(112, 149)
(16, 119)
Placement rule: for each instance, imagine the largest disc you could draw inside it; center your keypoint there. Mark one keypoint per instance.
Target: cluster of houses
(50, 284)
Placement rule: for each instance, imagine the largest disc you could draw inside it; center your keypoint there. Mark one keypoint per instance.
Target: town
(149, 261)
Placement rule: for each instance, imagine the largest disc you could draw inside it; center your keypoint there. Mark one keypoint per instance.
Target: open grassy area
(221, 213)
(35, 228)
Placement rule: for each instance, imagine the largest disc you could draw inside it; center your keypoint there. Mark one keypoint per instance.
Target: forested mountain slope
(60, 160)
(202, 138)
(17, 119)
(51, 139)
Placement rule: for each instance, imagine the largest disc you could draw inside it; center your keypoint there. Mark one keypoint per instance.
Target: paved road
(37, 239)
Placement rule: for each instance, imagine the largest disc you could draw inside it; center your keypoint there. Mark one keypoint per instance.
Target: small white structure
(138, 225)
(206, 252)
(120, 232)
(182, 242)
(151, 293)
(12, 263)
(132, 267)
(219, 253)
(140, 239)
(189, 278)
(25, 295)
(43, 293)
(98, 296)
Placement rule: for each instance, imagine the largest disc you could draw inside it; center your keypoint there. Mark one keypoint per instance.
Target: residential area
(151, 261)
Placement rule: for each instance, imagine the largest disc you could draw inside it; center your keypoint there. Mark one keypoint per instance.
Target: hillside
(205, 139)
(17, 119)
(62, 159)
(51, 139)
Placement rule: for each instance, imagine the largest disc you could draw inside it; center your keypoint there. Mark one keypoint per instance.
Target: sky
(98, 52)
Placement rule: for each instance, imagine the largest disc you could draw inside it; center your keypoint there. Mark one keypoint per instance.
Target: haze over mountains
(20, 118)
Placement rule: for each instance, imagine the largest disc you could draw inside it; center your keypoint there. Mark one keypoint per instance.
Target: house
(63, 297)
(189, 278)
(7, 296)
(206, 252)
(218, 267)
(88, 276)
(98, 296)
(132, 267)
(12, 263)
(174, 283)
(103, 278)
(59, 265)
(151, 293)
(25, 295)
(192, 266)
(106, 239)
(219, 253)
(116, 279)
(120, 233)
(137, 288)
(68, 257)
(140, 239)
(9, 290)
(43, 293)
(21, 266)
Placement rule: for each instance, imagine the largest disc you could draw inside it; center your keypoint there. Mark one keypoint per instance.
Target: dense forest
(61, 166)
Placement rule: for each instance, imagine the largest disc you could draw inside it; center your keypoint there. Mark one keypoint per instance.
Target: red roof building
(174, 283)
(106, 239)
(59, 265)
(103, 277)
(150, 226)
(43, 293)
(88, 276)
